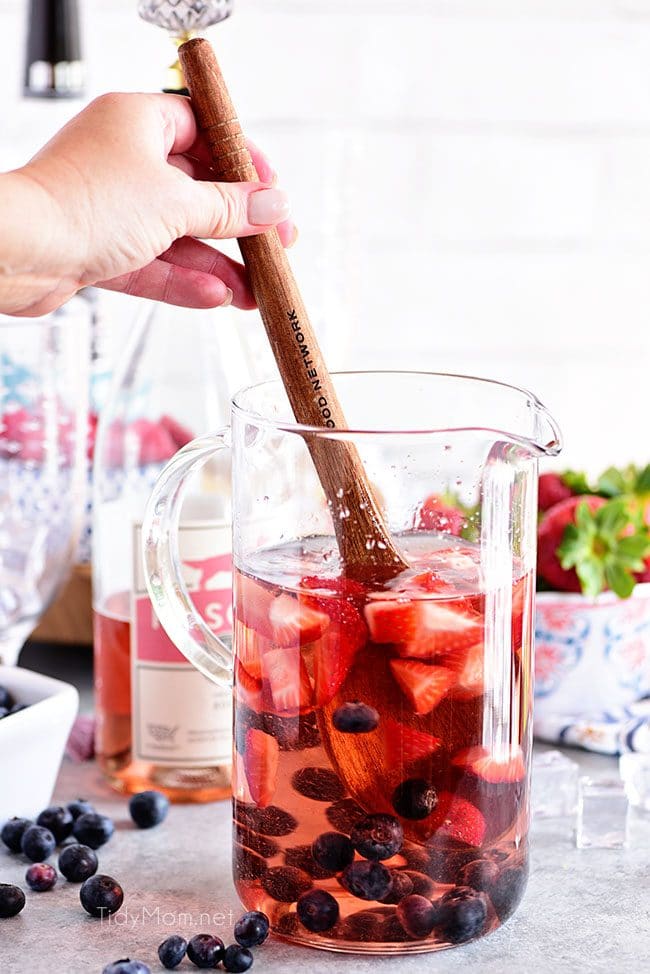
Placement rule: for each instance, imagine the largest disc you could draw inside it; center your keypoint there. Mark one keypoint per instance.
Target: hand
(119, 197)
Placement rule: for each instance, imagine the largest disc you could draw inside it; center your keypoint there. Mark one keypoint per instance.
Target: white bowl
(32, 741)
(592, 655)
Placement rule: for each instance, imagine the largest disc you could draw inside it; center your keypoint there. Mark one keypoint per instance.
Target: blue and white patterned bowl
(592, 655)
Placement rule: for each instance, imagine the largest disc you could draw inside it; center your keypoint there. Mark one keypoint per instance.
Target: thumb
(220, 210)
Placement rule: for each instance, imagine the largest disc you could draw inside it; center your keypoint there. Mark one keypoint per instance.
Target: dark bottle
(53, 68)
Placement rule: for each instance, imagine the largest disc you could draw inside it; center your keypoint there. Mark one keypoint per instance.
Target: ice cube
(635, 772)
(602, 814)
(554, 785)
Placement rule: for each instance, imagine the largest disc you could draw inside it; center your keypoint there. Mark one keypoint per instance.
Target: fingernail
(294, 238)
(267, 207)
(228, 298)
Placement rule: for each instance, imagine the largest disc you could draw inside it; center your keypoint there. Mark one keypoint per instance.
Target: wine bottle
(54, 66)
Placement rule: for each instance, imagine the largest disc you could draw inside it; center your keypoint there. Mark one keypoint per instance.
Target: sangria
(378, 800)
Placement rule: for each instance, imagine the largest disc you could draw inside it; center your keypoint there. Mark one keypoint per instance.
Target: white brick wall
(471, 181)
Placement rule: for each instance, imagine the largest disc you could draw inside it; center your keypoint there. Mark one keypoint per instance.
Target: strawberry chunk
(248, 690)
(253, 604)
(286, 674)
(249, 647)
(436, 515)
(470, 672)
(494, 769)
(333, 657)
(406, 746)
(261, 755)
(294, 622)
(424, 685)
(422, 629)
(340, 585)
(457, 819)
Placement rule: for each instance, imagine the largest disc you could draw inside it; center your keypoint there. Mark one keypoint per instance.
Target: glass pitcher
(382, 732)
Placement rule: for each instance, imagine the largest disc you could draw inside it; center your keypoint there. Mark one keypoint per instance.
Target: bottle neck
(53, 63)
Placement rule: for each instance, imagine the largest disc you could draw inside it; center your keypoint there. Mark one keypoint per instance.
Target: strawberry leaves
(606, 546)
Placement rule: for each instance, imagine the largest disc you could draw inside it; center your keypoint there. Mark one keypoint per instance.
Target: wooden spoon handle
(365, 545)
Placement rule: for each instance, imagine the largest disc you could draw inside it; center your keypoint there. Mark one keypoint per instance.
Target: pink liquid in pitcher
(379, 800)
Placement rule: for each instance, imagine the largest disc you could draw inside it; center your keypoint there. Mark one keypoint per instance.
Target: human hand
(122, 192)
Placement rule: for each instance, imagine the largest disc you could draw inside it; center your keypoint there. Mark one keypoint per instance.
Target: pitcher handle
(212, 655)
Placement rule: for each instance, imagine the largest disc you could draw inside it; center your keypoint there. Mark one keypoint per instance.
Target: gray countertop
(585, 912)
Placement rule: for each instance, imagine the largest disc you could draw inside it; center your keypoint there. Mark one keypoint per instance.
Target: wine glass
(44, 364)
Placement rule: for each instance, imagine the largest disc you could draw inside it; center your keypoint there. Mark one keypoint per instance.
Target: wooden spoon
(366, 547)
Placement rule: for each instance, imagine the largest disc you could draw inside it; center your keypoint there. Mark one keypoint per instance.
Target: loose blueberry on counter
(101, 895)
(462, 913)
(417, 915)
(6, 699)
(252, 929)
(237, 959)
(4, 712)
(41, 876)
(355, 718)
(78, 863)
(12, 900)
(480, 874)
(317, 910)
(172, 951)
(286, 883)
(37, 843)
(377, 836)
(414, 799)
(367, 880)
(93, 829)
(58, 820)
(148, 808)
(127, 966)
(79, 807)
(205, 951)
(17, 707)
(332, 851)
(12, 832)
(319, 784)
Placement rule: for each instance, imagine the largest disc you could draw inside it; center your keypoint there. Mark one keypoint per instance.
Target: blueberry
(12, 900)
(355, 718)
(377, 836)
(422, 885)
(37, 843)
(367, 880)
(6, 699)
(508, 889)
(344, 815)
(79, 807)
(93, 829)
(363, 926)
(317, 910)
(101, 895)
(480, 874)
(127, 966)
(417, 915)
(462, 913)
(237, 959)
(247, 864)
(58, 820)
(252, 929)
(78, 863)
(286, 883)
(149, 808)
(392, 931)
(205, 951)
(172, 951)
(268, 821)
(402, 887)
(40, 877)
(319, 784)
(12, 832)
(263, 846)
(414, 799)
(301, 857)
(332, 851)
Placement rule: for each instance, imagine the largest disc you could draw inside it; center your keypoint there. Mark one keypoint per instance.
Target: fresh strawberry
(286, 674)
(294, 622)
(249, 647)
(424, 685)
(551, 490)
(422, 629)
(248, 690)
(180, 434)
(333, 657)
(457, 819)
(253, 604)
(393, 621)
(156, 445)
(405, 745)
(495, 770)
(549, 538)
(469, 678)
(261, 755)
(436, 515)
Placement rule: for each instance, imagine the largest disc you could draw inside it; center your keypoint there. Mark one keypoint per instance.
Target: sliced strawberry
(249, 647)
(261, 756)
(423, 629)
(294, 622)
(436, 515)
(470, 674)
(253, 604)
(393, 621)
(333, 656)
(492, 768)
(248, 690)
(288, 680)
(405, 745)
(424, 685)
(456, 818)
(339, 585)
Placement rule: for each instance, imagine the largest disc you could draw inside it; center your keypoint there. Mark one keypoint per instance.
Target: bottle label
(180, 718)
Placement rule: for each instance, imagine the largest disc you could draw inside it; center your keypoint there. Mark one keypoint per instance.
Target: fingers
(220, 210)
(200, 151)
(179, 123)
(198, 256)
(173, 284)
